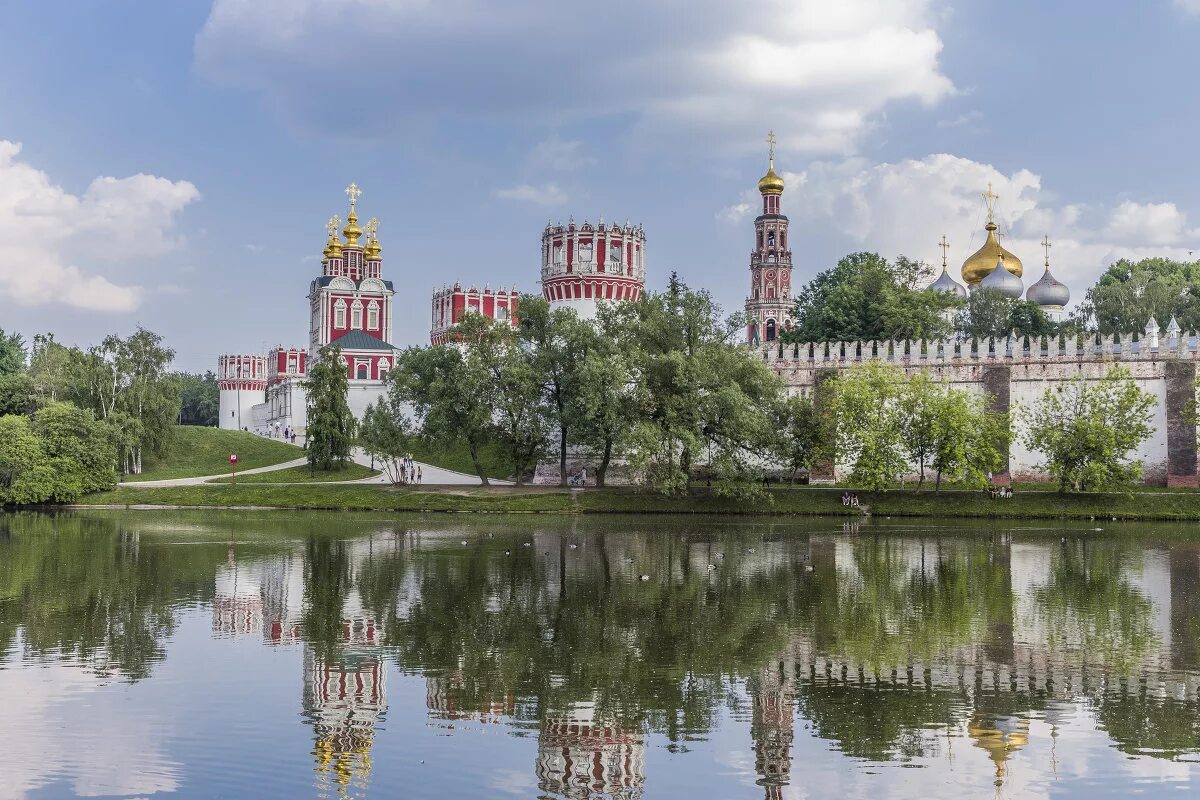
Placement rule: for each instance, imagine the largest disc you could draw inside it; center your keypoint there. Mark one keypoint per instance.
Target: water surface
(226, 654)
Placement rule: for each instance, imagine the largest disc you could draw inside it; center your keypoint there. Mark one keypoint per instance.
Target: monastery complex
(584, 265)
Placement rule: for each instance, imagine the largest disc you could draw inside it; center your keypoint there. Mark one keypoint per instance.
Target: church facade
(349, 308)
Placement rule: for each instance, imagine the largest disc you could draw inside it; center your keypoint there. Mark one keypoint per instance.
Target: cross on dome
(989, 199)
(771, 145)
(1046, 247)
(944, 245)
(332, 225)
(353, 192)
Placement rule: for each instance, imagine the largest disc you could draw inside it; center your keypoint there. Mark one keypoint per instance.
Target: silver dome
(1003, 281)
(1048, 291)
(945, 283)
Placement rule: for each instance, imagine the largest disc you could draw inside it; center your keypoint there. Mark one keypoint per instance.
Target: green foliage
(801, 435)
(866, 297)
(25, 474)
(16, 393)
(1128, 294)
(870, 425)
(605, 399)
(452, 400)
(988, 313)
(386, 433)
(1087, 430)
(12, 353)
(198, 452)
(200, 398)
(50, 368)
(79, 450)
(330, 422)
(969, 441)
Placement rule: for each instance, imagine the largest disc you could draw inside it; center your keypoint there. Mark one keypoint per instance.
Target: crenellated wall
(1014, 373)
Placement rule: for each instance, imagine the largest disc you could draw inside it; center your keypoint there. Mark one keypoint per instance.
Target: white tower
(584, 265)
(242, 379)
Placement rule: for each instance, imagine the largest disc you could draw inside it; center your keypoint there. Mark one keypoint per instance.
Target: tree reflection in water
(888, 644)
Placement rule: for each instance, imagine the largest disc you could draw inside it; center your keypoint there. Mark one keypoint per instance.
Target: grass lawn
(301, 474)
(496, 462)
(196, 451)
(799, 501)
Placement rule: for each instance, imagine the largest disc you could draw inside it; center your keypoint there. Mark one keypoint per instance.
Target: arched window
(770, 330)
(755, 292)
(372, 316)
(771, 239)
(361, 371)
(770, 292)
(339, 314)
(383, 368)
(356, 316)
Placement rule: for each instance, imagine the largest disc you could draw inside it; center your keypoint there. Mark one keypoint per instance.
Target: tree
(200, 398)
(25, 475)
(699, 398)
(865, 297)
(12, 353)
(50, 367)
(330, 423)
(606, 407)
(1128, 294)
(1087, 430)
(990, 314)
(520, 416)
(969, 440)
(801, 434)
(451, 401)
(558, 342)
(386, 435)
(865, 408)
(16, 393)
(78, 449)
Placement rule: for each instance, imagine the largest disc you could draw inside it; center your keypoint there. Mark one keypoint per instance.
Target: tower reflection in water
(889, 649)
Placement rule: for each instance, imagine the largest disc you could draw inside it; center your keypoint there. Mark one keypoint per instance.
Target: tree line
(866, 297)
(72, 419)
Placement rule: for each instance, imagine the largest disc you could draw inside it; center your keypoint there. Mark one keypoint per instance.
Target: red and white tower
(242, 381)
(769, 305)
(452, 303)
(583, 265)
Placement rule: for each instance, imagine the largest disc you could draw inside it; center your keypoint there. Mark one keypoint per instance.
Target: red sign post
(233, 466)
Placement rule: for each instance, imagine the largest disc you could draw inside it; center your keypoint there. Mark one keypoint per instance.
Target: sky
(173, 164)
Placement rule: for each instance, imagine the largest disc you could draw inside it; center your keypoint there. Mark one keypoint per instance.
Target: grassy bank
(806, 501)
(302, 474)
(495, 459)
(196, 451)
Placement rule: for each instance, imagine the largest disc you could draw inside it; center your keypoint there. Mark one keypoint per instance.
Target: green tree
(1129, 293)
(16, 393)
(606, 404)
(12, 353)
(969, 440)
(50, 367)
(801, 434)
(79, 450)
(386, 434)
(989, 313)
(25, 474)
(200, 398)
(330, 423)
(869, 424)
(452, 402)
(865, 297)
(1087, 430)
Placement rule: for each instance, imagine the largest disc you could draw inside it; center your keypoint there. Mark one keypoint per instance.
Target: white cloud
(559, 155)
(547, 194)
(962, 120)
(905, 208)
(818, 72)
(46, 231)
(1188, 6)
(738, 211)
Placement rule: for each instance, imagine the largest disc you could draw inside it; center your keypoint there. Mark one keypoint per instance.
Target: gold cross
(372, 227)
(332, 225)
(771, 145)
(352, 191)
(1046, 247)
(945, 246)
(990, 198)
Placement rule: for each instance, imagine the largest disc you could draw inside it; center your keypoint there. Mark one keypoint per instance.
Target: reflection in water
(965, 651)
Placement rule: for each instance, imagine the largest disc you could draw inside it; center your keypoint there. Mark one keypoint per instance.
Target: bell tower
(769, 304)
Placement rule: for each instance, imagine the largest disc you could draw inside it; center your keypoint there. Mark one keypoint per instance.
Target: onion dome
(373, 251)
(352, 232)
(333, 247)
(1049, 291)
(980, 263)
(1003, 281)
(945, 283)
(770, 183)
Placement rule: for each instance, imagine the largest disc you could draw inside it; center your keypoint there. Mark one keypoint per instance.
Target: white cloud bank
(819, 72)
(547, 194)
(45, 231)
(905, 207)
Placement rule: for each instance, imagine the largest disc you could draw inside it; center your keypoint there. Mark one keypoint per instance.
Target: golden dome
(373, 251)
(352, 231)
(983, 260)
(770, 183)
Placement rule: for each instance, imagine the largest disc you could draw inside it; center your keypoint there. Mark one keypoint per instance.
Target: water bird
(644, 577)
(572, 546)
(525, 545)
(464, 542)
(712, 566)
(508, 552)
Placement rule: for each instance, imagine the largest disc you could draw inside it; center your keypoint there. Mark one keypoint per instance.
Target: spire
(1046, 247)
(945, 246)
(770, 183)
(352, 231)
(333, 247)
(989, 199)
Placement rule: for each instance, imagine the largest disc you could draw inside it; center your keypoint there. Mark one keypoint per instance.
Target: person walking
(418, 476)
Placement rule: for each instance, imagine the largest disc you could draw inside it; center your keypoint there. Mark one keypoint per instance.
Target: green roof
(360, 340)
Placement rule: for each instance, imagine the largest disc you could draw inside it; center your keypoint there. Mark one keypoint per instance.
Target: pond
(271, 654)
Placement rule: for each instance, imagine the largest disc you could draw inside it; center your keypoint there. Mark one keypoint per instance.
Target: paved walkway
(430, 475)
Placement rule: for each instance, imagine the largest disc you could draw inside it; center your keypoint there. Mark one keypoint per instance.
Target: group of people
(849, 499)
(410, 471)
(1000, 492)
(579, 479)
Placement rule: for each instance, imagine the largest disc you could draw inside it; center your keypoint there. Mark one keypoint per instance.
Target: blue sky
(173, 164)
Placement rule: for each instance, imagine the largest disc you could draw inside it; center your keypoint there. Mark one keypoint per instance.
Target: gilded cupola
(984, 259)
(771, 183)
(352, 232)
